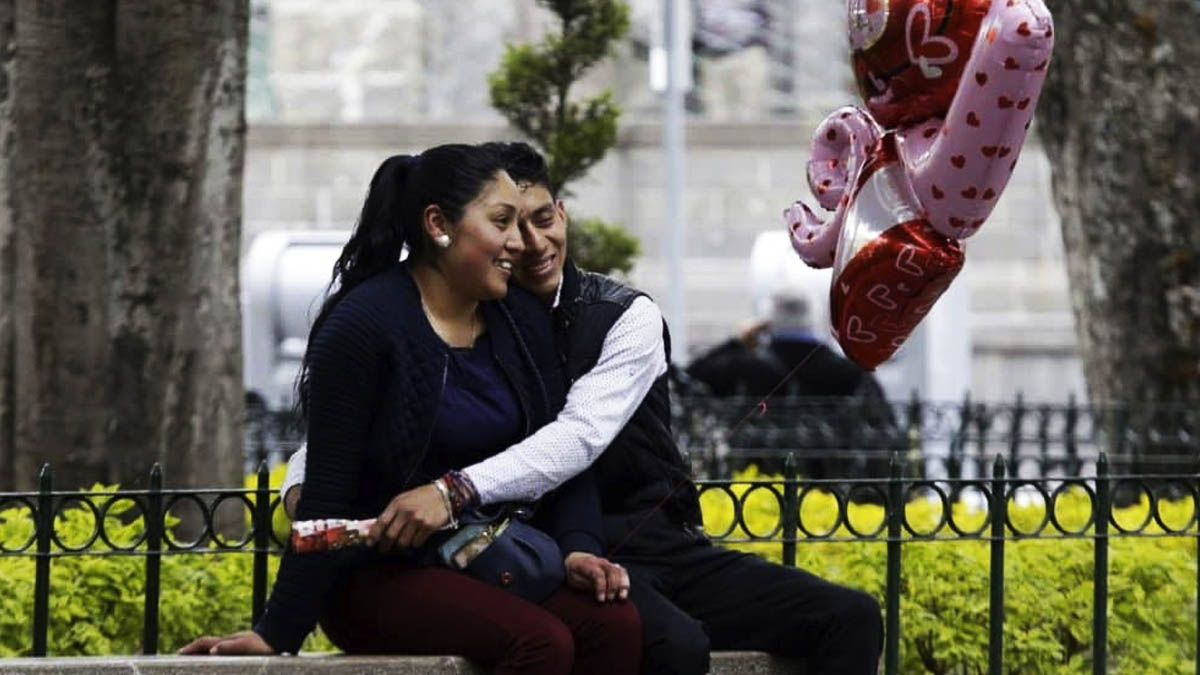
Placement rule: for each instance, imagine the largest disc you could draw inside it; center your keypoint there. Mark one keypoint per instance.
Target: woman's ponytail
(448, 176)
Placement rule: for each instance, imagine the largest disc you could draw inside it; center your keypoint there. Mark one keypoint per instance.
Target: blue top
(479, 414)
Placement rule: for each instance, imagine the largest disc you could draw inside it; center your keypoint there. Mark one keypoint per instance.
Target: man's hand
(587, 572)
(247, 642)
(409, 519)
(751, 332)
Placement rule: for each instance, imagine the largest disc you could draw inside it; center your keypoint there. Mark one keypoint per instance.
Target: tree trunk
(1120, 120)
(120, 215)
(7, 459)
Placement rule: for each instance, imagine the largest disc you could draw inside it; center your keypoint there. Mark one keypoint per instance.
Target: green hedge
(96, 601)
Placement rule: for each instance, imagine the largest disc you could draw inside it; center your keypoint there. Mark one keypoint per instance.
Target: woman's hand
(587, 572)
(409, 519)
(244, 643)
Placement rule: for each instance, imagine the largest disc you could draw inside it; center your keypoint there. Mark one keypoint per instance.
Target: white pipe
(678, 53)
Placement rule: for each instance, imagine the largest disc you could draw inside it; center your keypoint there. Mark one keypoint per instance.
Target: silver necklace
(434, 323)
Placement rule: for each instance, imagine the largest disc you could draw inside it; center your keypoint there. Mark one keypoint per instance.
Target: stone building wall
(338, 86)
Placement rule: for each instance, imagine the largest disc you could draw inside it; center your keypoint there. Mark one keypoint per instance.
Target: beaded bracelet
(463, 495)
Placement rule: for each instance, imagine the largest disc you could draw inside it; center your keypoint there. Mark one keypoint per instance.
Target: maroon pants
(389, 609)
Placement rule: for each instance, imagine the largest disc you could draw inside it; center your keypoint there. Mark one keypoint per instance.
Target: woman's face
(485, 243)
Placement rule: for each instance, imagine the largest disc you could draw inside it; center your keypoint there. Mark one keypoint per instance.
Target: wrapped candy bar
(311, 536)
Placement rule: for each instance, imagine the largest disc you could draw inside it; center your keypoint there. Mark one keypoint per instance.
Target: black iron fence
(854, 438)
(201, 534)
(997, 493)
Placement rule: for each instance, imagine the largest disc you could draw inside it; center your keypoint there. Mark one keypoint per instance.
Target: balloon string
(760, 408)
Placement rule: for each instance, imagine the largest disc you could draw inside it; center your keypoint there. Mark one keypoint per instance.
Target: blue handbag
(506, 552)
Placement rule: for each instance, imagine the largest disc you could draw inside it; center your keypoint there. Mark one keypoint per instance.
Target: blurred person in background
(779, 356)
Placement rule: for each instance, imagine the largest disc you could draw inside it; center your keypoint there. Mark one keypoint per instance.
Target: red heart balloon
(888, 287)
(892, 265)
(893, 239)
(909, 55)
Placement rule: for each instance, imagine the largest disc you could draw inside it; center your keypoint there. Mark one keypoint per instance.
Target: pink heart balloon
(950, 88)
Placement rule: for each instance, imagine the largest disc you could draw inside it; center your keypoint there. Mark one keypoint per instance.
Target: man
(692, 596)
(756, 361)
(781, 356)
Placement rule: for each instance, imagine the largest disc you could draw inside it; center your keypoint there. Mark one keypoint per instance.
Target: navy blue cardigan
(377, 370)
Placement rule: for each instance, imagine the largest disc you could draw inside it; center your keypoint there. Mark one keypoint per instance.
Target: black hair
(524, 164)
(446, 176)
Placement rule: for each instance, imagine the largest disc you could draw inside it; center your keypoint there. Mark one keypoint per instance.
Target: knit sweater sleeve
(571, 515)
(346, 365)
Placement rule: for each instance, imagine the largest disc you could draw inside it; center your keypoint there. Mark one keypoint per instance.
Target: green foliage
(532, 87)
(96, 601)
(599, 247)
(281, 525)
(1048, 584)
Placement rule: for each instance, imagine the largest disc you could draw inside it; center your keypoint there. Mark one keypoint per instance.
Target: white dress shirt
(599, 404)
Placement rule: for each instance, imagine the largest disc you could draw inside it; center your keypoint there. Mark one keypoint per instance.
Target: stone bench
(723, 663)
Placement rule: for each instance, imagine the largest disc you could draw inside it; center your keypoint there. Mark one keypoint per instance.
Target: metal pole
(1044, 413)
(1014, 439)
(154, 536)
(914, 443)
(1074, 466)
(673, 140)
(791, 510)
(999, 504)
(895, 516)
(958, 444)
(1100, 571)
(41, 580)
(262, 540)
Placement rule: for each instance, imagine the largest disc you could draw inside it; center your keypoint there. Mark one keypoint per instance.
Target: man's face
(543, 225)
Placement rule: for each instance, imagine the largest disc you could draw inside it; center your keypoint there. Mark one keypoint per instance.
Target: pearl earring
(442, 240)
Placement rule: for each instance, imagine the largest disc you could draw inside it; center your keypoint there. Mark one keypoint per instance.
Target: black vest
(642, 468)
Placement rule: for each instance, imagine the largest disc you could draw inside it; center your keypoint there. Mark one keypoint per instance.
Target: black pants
(694, 597)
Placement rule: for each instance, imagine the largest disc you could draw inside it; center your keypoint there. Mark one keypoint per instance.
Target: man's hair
(790, 310)
(524, 164)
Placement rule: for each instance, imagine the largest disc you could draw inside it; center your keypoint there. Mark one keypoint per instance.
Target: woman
(413, 369)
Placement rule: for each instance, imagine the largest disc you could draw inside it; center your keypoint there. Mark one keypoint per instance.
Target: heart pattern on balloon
(877, 316)
(918, 53)
(854, 332)
(881, 297)
(906, 261)
(918, 59)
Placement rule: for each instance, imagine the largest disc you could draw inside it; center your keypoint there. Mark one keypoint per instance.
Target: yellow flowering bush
(96, 601)
(944, 589)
